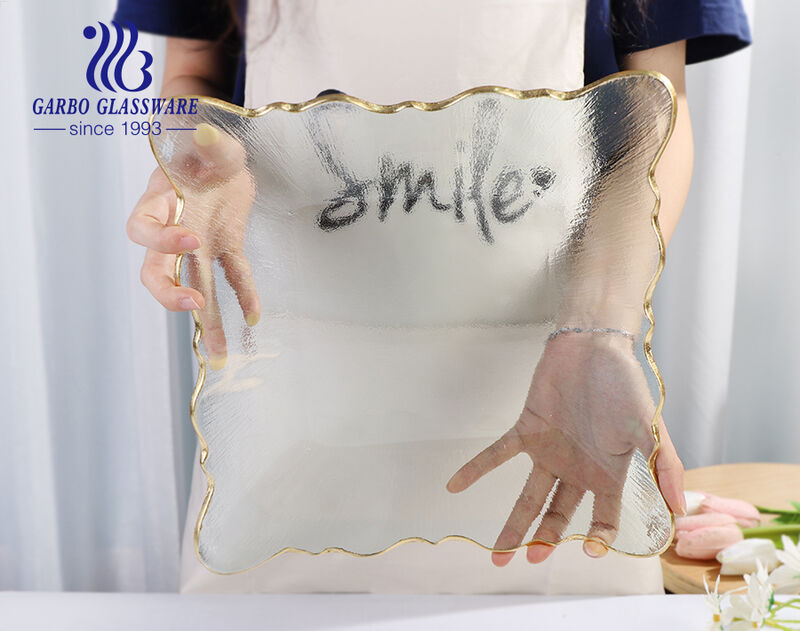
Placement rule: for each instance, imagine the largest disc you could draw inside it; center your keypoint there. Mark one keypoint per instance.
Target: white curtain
(96, 442)
(95, 378)
(726, 338)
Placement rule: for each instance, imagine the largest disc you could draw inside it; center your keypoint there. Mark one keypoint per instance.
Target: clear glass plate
(382, 283)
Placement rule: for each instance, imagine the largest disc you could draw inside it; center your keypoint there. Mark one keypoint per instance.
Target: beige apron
(387, 52)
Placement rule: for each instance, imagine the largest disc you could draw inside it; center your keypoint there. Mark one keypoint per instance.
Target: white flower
(749, 612)
(786, 578)
(693, 501)
(740, 557)
(790, 555)
(713, 601)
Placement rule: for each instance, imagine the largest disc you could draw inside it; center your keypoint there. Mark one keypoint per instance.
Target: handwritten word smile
(511, 194)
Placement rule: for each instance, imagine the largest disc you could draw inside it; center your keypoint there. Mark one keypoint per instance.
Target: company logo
(110, 73)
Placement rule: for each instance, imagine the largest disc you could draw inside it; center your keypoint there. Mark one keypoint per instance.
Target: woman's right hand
(218, 195)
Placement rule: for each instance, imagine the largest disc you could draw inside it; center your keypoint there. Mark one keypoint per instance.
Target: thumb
(669, 470)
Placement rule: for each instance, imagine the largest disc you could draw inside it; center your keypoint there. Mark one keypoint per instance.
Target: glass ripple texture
(381, 285)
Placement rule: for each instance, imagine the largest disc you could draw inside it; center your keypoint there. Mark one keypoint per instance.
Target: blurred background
(94, 389)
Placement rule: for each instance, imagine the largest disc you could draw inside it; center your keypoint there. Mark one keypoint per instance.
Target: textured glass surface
(408, 265)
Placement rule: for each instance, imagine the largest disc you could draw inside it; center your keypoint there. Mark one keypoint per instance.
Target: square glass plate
(382, 283)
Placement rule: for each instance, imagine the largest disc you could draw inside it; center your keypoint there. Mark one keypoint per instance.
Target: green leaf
(796, 505)
(774, 533)
(776, 511)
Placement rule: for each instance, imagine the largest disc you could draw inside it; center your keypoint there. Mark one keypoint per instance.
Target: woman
(388, 52)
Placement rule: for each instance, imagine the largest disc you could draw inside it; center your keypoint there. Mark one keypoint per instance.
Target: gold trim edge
(432, 107)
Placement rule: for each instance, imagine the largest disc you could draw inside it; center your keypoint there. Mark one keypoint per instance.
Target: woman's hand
(218, 191)
(587, 410)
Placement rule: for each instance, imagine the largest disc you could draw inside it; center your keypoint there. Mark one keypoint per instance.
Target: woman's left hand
(588, 408)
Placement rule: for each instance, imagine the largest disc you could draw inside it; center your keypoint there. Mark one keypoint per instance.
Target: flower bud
(705, 543)
(702, 520)
(747, 515)
(741, 557)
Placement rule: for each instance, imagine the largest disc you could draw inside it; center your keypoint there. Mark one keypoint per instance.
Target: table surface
(766, 484)
(42, 611)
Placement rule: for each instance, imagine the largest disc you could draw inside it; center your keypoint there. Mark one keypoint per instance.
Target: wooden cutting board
(762, 483)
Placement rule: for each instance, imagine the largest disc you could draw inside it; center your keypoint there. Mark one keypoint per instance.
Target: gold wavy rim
(433, 107)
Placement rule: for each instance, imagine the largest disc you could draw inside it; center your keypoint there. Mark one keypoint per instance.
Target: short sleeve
(195, 19)
(711, 28)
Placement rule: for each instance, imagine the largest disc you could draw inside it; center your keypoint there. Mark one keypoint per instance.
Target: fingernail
(205, 135)
(683, 508)
(217, 362)
(594, 549)
(188, 303)
(501, 559)
(189, 242)
(252, 318)
(538, 552)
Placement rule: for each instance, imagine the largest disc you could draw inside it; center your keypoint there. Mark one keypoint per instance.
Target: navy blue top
(712, 28)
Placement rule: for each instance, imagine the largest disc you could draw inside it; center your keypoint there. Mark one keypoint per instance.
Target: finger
(526, 509)
(147, 231)
(605, 523)
(157, 276)
(220, 151)
(642, 437)
(239, 275)
(147, 225)
(500, 451)
(558, 515)
(201, 275)
(669, 471)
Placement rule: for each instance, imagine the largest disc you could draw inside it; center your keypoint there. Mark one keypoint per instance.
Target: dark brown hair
(234, 20)
(236, 23)
(625, 21)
